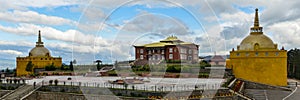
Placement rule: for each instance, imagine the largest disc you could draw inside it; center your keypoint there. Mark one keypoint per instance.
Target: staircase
(257, 94)
(19, 92)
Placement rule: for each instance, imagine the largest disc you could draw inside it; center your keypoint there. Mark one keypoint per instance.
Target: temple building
(39, 57)
(258, 59)
(169, 49)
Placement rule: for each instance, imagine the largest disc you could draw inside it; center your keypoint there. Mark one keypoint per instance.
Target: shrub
(173, 68)
(55, 82)
(132, 94)
(50, 82)
(119, 94)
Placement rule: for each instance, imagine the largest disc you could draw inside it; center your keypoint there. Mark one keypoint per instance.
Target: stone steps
(19, 93)
(257, 94)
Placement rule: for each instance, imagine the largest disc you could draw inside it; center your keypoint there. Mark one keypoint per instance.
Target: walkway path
(18, 93)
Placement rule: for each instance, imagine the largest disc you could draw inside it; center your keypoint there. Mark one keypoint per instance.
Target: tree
(63, 66)
(29, 66)
(116, 65)
(204, 64)
(55, 82)
(14, 72)
(98, 64)
(50, 67)
(71, 66)
(7, 70)
(293, 62)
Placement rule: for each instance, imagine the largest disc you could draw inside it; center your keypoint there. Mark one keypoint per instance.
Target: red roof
(217, 58)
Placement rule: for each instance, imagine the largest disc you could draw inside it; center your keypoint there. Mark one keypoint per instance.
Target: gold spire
(39, 43)
(39, 38)
(256, 21)
(256, 29)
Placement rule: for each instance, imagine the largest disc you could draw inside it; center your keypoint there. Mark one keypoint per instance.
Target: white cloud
(286, 33)
(54, 34)
(22, 43)
(155, 23)
(24, 4)
(34, 17)
(13, 52)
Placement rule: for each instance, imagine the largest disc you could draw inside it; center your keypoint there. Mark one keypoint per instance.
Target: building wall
(38, 62)
(175, 52)
(267, 68)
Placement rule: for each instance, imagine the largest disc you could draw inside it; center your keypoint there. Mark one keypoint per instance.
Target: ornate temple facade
(258, 59)
(39, 57)
(170, 48)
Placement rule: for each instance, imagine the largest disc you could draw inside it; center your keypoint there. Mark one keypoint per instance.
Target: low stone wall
(39, 95)
(3, 92)
(5, 86)
(55, 96)
(93, 92)
(254, 85)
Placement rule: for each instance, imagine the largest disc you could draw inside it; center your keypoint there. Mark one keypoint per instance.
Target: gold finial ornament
(39, 43)
(256, 29)
(256, 20)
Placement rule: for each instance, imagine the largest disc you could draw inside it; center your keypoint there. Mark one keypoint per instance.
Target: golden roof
(261, 40)
(257, 40)
(39, 50)
(171, 40)
(157, 44)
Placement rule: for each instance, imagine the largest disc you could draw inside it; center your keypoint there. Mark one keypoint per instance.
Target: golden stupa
(258, 59)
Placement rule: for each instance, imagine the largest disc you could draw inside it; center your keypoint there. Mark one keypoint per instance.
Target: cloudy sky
(86, 30)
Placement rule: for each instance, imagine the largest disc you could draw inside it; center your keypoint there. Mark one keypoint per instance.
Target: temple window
(237, 54)
(141, 51)
(266, 53)
(247, 53)
(256, 53)
(170, 50)
(256, 46)
(141, 56)
(190, 57)
(170, 56)
(190, 51)
(277, 53)
(182, 50)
